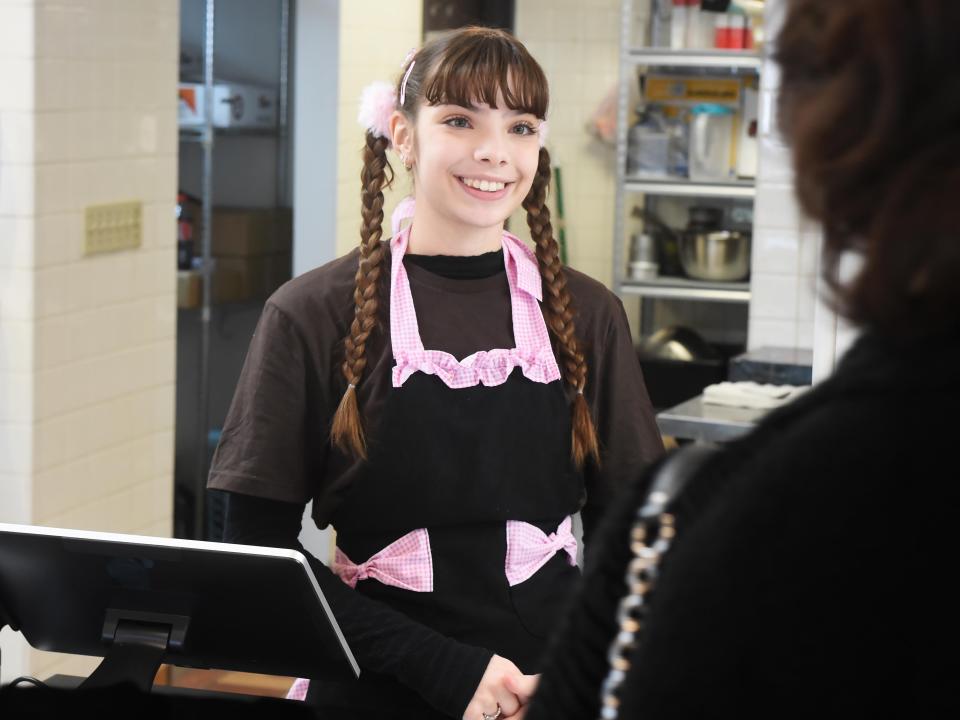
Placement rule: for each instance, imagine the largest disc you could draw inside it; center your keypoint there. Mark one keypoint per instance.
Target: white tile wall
(87, 344)
(17, 74)
(17, 122)
(17, 183)
(785, 245)
(775, 296)
(14, 508)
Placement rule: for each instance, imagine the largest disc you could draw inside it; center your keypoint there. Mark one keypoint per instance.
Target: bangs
(477, 66)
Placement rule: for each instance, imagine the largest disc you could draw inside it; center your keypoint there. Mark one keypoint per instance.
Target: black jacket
(813, 567)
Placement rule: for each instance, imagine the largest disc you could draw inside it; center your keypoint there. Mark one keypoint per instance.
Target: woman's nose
(491, 149)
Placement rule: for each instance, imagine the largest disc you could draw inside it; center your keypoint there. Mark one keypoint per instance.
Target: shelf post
(203, 412)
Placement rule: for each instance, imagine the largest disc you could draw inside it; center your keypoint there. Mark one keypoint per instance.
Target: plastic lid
(711, 109)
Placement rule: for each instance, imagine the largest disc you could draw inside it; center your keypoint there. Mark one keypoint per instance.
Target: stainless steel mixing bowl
(722, 255)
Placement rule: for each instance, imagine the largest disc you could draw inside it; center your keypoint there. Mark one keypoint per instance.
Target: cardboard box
(242, 232)
(253, 277)
(189, 289)
(234, 106)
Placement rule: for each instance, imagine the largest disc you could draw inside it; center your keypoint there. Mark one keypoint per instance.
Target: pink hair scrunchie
(377, 103)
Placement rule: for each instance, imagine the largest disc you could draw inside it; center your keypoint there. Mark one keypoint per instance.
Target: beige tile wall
(87, 360)
(577, 44)
(374, 39)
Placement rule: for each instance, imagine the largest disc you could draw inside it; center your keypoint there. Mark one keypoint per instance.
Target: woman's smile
(484, 189)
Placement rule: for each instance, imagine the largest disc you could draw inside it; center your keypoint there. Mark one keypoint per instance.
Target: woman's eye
(525, 129)
(459, 122)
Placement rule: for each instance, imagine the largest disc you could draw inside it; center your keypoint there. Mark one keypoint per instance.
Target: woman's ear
(401, 136)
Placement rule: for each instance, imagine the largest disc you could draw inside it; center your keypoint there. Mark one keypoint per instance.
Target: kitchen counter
(694, 420)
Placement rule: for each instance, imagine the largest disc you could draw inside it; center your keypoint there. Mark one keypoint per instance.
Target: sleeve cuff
(454, 674)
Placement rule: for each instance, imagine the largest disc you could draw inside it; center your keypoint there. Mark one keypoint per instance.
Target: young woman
(810, 573)
(447, 399)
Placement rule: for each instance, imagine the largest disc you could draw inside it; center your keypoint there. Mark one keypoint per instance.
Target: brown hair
(870, 102)
(463, 67)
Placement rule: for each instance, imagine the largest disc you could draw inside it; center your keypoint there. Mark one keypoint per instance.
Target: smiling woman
(452, 418)
(463, 154)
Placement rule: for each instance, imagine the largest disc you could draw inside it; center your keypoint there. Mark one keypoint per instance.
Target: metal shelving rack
(688, 188)
(670, 288)
(723, 59)
(632, 58)
(206, 136)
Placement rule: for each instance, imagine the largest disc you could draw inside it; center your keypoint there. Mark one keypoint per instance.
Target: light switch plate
(117, 226)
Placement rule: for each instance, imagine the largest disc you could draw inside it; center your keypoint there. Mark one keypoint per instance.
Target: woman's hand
(492, 691)
(523, 687)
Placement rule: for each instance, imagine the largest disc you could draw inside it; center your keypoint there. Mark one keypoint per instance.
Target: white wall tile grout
(785, 245)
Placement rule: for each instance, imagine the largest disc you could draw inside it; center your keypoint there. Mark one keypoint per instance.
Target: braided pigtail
(559, 313)
(347, 429)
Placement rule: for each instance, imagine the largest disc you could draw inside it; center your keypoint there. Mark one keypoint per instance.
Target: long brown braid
(347, 429)
(559, 311)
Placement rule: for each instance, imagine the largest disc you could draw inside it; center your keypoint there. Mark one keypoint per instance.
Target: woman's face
(474, 165)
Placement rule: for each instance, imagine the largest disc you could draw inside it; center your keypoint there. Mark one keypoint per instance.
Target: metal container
(643, 257)
(677, 364)
(721, 255)
(677, 342)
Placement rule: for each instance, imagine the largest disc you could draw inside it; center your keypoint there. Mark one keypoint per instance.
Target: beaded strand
(641, 577)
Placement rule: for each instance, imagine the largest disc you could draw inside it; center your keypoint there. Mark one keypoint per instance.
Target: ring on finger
(494, 716)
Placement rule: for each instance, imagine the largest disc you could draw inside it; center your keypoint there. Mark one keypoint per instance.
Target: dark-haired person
(812, 570)
(447, 399)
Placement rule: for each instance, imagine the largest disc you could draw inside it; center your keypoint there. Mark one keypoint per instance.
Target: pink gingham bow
(405, 563)
(298, 691)
(529, 548)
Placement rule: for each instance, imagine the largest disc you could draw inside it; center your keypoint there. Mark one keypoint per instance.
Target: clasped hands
(503, 686)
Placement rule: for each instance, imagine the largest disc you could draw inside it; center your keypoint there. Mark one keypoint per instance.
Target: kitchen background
(102, 377)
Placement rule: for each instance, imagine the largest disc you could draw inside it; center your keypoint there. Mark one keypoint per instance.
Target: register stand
(140, 602)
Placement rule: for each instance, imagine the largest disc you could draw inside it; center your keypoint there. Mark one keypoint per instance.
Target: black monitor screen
(230, 607)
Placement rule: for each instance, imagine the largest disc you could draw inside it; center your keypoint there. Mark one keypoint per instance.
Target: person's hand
(523, 687)
(492, 691)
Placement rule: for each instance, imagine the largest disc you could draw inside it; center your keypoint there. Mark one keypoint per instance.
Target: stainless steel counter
(694, 420)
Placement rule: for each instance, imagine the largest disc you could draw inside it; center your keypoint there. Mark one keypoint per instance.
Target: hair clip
(403, 85)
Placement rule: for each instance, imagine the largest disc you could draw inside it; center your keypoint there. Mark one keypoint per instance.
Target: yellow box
(692, 90)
